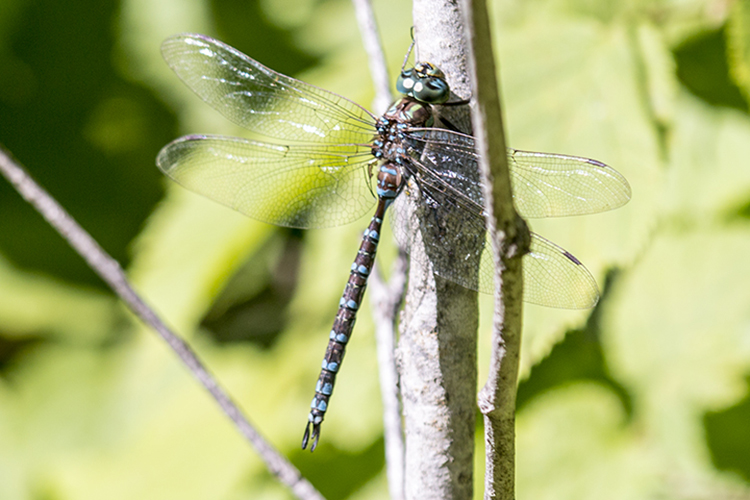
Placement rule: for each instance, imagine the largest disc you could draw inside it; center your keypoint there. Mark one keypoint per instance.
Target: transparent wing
(555, 278)
(552, 277)
(552, 185)
(448, 207)
(262, 100)
(544, 184)
(453, 233)
(460, 251)
(301, 186)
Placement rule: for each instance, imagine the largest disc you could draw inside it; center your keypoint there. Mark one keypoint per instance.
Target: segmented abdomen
(344, 323)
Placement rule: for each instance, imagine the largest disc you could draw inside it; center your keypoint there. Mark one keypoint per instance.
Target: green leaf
(738, 45)
(676, 336)
(573, 444)
(33, 305)
(591, 98)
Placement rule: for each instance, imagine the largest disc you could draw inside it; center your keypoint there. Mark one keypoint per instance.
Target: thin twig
(386, 299)
(111, 272)
(510, 238)
(375, 55)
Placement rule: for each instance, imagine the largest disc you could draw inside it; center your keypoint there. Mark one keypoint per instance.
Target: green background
(646, 396)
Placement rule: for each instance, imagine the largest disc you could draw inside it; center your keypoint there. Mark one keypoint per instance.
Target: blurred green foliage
(645, 397)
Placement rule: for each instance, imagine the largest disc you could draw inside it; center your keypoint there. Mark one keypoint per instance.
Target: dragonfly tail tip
(315, 435)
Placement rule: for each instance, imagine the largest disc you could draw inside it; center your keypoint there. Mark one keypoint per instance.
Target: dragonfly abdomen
(343, 325)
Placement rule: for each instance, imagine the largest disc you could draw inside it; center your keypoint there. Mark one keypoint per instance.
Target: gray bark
(437, 348)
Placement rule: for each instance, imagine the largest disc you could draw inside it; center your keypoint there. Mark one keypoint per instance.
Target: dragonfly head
(424, 82)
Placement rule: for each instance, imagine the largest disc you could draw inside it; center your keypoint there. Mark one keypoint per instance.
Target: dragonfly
(329, 160)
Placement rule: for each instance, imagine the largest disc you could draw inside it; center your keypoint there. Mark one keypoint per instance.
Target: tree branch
(375, 55)
(385, 299)
(510, 238)
(437, 348)
(110, 271)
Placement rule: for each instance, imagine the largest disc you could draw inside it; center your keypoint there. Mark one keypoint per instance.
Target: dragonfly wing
(262, 100)
(544, 184)
(555, 278)
(552, 276)
(300, 186)
(552, 185)
(443, 202)
(460, 251)
(454, 238)
(449, 190)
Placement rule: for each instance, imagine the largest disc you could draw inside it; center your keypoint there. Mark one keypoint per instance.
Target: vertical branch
(510, 238)
(375, 55)
(386, 299)
(111, 273)
(437, 347)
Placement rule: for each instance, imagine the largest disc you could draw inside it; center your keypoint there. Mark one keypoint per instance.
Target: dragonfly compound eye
(424, 82)
(432, 90)
(405, 82)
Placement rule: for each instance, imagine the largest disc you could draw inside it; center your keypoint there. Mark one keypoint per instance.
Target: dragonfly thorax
(390, 144)
(406, 112)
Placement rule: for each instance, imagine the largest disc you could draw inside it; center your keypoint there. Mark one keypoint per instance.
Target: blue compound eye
(424, 82)
(431, 86)
(406, 81)
(431, 90)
